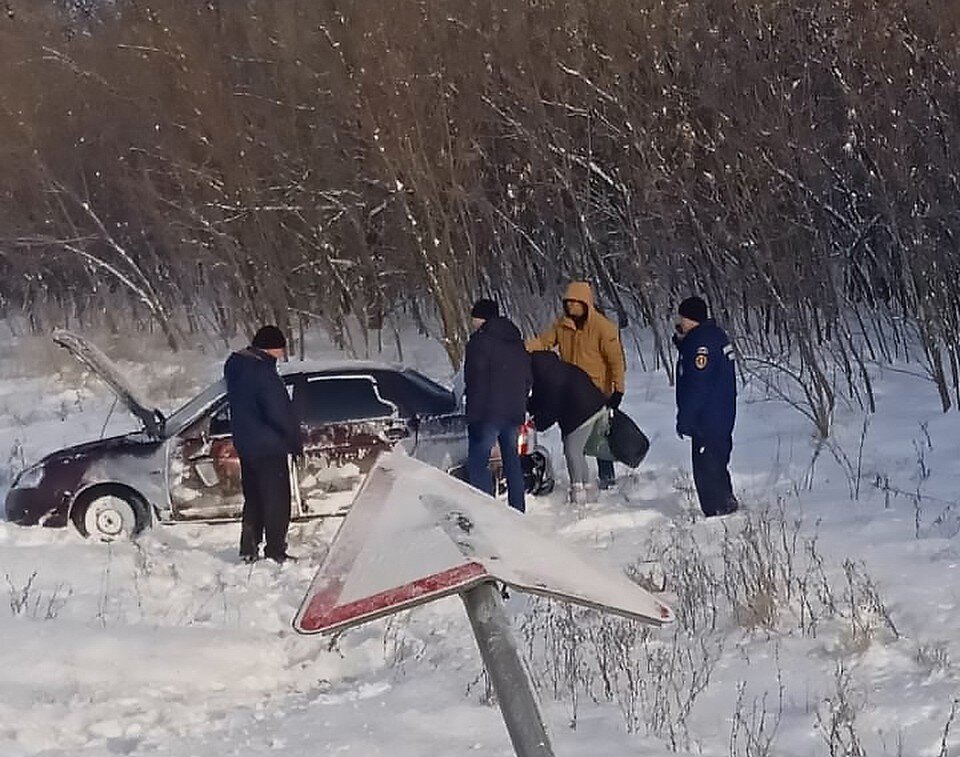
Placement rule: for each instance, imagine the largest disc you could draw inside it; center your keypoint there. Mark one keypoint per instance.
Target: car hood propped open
(152, 419)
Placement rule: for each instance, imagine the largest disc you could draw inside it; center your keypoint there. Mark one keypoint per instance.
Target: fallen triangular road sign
(415, 534)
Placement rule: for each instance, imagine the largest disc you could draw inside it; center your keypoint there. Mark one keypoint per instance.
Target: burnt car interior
(220, 421)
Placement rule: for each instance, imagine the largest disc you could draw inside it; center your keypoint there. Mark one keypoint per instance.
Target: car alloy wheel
(110, 518)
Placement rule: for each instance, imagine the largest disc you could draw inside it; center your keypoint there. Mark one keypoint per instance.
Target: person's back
(497, 381)
(562, 393)
(565, 394)
(497, 375)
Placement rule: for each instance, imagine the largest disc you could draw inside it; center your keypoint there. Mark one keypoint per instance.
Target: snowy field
(821, 620)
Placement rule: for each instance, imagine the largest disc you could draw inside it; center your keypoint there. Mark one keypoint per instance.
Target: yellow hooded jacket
(595, 348)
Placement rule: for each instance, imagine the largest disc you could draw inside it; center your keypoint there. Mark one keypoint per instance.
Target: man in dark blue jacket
(265, 433)
(707, 403)
(497, 381)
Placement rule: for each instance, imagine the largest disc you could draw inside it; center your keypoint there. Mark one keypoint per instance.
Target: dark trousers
(266, 505)
(710, 460)
(605, 470)
(481, 437)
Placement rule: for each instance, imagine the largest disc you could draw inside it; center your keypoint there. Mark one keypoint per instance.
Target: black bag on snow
(628, 444)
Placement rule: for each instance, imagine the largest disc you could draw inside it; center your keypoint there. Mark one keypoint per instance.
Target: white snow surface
(169, 646)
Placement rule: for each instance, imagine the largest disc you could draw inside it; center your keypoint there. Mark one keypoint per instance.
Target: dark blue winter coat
(262, 417)
(706, 383)
(496, 374)
(562, 393)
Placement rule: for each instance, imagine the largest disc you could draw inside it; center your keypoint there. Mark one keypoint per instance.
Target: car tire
(110, 514)
(545, 488)
(538, 473)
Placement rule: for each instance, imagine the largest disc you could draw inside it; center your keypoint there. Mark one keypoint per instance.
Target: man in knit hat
(497, 380)
(588, 340)
(265, 433)
(706, 403)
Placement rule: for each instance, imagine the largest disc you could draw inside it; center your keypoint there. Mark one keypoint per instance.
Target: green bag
(598, 444)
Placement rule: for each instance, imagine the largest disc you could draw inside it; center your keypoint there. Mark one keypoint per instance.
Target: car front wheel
(110, 515)
(538, 473)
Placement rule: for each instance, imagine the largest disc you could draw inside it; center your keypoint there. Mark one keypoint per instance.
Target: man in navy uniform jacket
(706, 403)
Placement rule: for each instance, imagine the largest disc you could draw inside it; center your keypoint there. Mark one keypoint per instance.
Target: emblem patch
(702, 358)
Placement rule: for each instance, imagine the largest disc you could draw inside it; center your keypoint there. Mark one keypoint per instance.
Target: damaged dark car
(184, 468)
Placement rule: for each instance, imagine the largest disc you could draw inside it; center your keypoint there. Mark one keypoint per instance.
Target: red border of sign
(323, 615)
(320, 611)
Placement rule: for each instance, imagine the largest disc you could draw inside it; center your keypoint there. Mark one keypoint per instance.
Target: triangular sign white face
(415, 534)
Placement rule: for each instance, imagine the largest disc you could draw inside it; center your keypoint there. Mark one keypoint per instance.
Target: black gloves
(615, 399)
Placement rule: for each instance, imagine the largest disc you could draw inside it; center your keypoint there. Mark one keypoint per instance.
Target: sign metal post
(515, 695)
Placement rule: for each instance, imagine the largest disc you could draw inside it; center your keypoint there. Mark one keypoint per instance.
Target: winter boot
(731, 507)
(591, 493)
(578, 494)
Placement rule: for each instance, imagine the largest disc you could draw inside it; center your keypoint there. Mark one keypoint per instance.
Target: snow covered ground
(820, 621)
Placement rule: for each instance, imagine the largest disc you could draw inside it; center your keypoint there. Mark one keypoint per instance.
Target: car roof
(293, 367)
(213, 393)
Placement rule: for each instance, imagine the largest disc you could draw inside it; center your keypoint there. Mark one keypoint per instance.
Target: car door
(441, 430)
(347, 424)
(204, 470)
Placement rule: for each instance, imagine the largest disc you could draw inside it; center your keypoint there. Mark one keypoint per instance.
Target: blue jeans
(481, 437)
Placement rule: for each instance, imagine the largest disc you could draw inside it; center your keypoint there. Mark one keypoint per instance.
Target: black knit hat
(693, 308)
(485, 309)
(269, 338)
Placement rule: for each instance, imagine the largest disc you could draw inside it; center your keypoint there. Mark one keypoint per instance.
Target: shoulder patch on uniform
(702, 358)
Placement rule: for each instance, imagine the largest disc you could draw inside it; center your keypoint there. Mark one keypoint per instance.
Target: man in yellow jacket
(588, 340)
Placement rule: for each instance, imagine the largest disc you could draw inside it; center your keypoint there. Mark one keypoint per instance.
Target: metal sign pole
(491, 627)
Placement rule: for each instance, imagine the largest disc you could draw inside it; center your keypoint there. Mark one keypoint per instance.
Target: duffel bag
(628, 444)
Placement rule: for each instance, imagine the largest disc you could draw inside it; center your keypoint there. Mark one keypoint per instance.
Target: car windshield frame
(193, 409)
(425, 381)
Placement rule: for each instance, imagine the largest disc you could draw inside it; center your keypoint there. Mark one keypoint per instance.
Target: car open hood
(151, 417)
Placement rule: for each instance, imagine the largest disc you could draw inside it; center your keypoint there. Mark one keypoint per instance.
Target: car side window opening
(342, 398)
(220, 421)
(220, 418)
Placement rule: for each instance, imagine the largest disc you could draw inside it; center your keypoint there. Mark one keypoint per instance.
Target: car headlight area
(29, 478)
